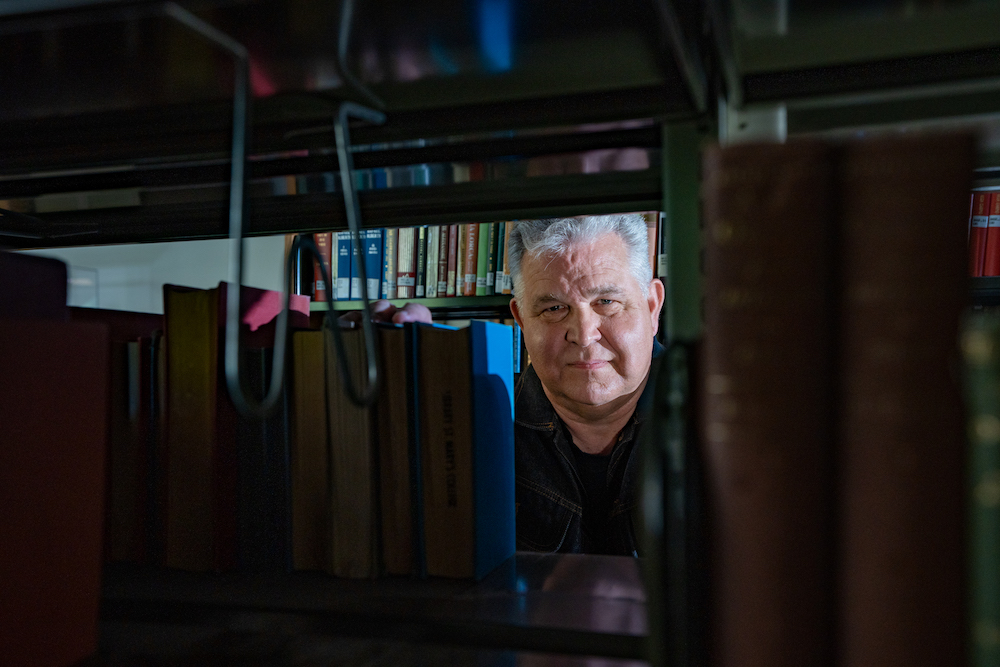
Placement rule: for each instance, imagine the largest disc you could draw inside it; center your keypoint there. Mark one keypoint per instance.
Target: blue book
(380, 178)
(344, 261)
(466, 410)
(373, 262)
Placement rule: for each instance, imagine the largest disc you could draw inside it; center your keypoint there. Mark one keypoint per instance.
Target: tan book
(353, 493)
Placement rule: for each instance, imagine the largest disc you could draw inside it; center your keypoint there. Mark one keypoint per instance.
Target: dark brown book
(130, 444)
(766, 401)
(53, 407)
(309, 455)
(394, 422)
(904, 204)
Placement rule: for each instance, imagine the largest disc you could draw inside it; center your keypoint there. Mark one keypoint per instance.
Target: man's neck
(595, 429)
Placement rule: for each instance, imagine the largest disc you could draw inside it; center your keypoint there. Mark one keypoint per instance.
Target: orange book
(471, 254)
(991, 253)
(978, 220)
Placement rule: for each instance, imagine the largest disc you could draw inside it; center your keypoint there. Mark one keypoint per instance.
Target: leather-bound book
(766, 403)
(903, 274)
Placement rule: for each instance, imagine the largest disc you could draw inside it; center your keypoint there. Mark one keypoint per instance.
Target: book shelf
(163, 131)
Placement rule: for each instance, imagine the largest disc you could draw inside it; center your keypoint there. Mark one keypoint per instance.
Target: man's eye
(553, 309)
(605, 302)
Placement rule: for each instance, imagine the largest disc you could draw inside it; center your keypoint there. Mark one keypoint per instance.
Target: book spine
(978, 231)
(652, 224)
(471, 258)
(443, 257)
(324, 243)
(453, 235)
(406, 270)
(500, 258)
(420, 288)
(431, 274)
(991, 253)
(344, 262)
(901, 436)
(661, 242)
(981, 383)
(507, 284)
(767, 419)
(463, 234)
(389, 264)
(482, 257)
(491, 259)
(373, 262)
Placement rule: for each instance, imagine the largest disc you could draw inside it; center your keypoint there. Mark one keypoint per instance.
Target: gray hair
(552, 236)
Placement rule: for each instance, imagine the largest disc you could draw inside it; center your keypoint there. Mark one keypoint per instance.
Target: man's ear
(516, 312)
(655, 302)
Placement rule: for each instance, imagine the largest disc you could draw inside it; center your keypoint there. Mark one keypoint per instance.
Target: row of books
(434, 261)
(984, 233)
(430, 261)
(419, 484)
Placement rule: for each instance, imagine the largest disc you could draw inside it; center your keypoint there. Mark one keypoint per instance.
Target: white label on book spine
(994, 221)
(355, 288)
(343, 289)
(420, 291)
(481, 281)
(442, 287)
(488, 279)
(981, 220)
(406, 281)
(470, 278)
(373, 285)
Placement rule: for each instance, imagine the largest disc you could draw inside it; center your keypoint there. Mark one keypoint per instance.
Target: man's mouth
(590, 365)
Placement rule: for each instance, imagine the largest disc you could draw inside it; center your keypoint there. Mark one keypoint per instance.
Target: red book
(325, 246)
(452, 259)
(471, 253)
(991, 254)
(977, 231)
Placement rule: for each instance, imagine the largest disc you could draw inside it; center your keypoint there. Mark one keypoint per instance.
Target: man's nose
(583, 327)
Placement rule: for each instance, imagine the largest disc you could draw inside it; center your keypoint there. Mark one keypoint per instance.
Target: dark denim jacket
(549, 493)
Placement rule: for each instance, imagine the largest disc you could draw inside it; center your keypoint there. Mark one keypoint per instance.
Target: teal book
(981, 362)
(465, 384)
(482, 256)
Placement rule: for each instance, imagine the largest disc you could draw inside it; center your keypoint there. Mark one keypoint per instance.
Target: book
(501, 257)
(354, 534)
(130, 445)
(204, 434)
(652, 227)
(991, 253)
(345, 260)
(463, 230)
(766, 400)
(431, 273)
(482, 258)
(54, 406)
(441, 275)
(466, 434)
(901, 454)
(397, 427)
(406, 263)
(389, 263)
(470, 260)
(358, 273)
(507, 284)
(324, 243)
(309, 452)
(373, 262)
(981, 388)
(978, 231)
(450, 286)
(420, 288)
(491, 259)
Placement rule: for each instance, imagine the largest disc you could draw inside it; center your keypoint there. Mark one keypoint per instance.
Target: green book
(491, 259)
(981, 362)
(483, 258)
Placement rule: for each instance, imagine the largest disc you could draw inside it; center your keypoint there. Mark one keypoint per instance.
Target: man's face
(587, 326)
